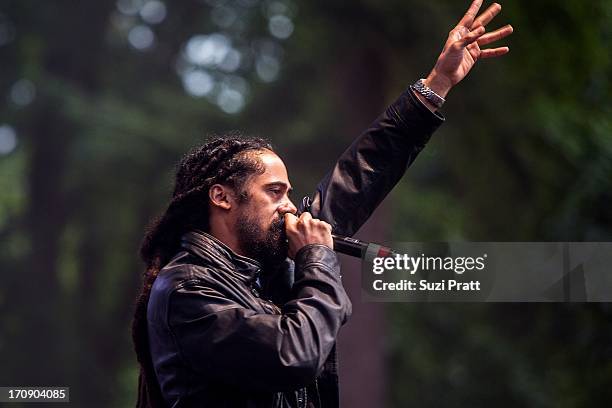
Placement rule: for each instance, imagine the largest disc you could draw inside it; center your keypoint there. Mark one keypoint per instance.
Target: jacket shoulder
(183, 271)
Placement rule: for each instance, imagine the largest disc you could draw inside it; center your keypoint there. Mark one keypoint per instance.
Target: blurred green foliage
(100, 99)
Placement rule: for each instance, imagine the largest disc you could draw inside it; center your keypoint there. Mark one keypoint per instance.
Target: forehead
(275, 170)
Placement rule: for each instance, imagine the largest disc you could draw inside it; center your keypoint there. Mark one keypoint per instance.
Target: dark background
(100, 98)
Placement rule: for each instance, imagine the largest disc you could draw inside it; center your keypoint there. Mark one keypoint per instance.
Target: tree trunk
(361, 344)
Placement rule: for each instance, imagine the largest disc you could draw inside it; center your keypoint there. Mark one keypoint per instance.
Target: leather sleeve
(234, 345)
(367, 171)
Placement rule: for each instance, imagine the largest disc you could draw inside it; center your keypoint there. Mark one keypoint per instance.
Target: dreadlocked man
(242, 300)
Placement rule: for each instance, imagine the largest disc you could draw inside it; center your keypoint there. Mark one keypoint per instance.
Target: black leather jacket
(224, 333)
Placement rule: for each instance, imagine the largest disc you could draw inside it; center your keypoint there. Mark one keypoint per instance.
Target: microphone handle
(349, 246)
(356, 248)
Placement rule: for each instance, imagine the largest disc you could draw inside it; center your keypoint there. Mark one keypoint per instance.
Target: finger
(496, 35)
(326, 225)
(494, 52)
(290, 220)
(470, 15)
(474, 50)
(305, 216)
(471, 37)
(487, 15)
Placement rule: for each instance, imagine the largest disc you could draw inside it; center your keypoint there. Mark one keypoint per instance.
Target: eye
(276, 191)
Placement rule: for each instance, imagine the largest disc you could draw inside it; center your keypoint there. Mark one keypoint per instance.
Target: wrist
(428, 97)
(438, 83)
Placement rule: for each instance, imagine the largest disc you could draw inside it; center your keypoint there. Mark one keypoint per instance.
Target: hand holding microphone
(341, 244)
(306, 230)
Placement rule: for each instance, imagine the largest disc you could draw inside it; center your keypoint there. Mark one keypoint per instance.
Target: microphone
(352, 246)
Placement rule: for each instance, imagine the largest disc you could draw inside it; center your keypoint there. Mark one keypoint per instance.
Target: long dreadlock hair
(223, 160)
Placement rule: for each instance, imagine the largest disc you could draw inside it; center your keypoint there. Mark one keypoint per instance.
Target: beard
(269, 247)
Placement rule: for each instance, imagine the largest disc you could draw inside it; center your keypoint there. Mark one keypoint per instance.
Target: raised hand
(462, 48)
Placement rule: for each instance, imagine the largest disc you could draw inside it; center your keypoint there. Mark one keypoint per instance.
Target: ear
(220, 196)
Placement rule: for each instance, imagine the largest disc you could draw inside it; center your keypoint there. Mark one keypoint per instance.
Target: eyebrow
(280, 184)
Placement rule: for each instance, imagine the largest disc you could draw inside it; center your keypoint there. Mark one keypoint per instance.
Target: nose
(287, 207)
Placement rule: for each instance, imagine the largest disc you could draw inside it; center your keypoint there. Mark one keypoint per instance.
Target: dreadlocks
(226, 160)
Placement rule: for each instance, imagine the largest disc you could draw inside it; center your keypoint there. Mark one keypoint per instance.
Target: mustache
(278, 226)
(280, 222)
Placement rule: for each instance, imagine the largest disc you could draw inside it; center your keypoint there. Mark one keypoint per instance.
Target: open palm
(462, 48)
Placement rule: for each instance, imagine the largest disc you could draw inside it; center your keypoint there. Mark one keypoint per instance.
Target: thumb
(290, 220)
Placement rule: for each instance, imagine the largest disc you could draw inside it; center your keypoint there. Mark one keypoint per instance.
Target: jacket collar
(210, 248)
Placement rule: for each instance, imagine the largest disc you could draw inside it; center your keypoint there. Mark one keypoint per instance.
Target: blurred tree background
(101, 98)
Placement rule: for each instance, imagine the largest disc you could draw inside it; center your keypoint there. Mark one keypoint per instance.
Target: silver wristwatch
(432, 97)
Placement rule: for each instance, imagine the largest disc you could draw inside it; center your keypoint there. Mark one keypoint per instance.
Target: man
(225, 319)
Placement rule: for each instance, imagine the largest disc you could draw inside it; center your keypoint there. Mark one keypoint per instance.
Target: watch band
(432, 97)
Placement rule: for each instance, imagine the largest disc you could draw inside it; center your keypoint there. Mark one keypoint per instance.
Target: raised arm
(367, 171)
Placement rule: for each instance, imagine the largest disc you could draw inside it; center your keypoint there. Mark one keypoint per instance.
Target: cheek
(271, 218)
(264, 210)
